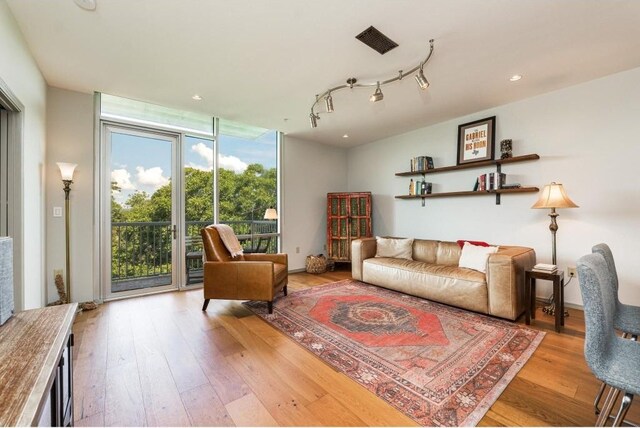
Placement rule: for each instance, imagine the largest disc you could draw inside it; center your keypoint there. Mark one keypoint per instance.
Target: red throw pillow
(476, 243)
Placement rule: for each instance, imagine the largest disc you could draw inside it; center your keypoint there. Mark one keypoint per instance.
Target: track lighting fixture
(314, 120)
(377, 95)
(352, 82)
(422, 80)
(329, 102)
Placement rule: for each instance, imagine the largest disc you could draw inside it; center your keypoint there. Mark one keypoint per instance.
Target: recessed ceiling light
(197, 97)
(345, 136)
(515, 77)
(86, 4)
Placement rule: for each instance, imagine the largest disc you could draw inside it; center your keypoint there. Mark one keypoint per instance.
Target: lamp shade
(554, 196)
(66, 170)
(271, 214)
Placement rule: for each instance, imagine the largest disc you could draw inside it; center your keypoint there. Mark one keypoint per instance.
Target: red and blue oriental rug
(440, 365)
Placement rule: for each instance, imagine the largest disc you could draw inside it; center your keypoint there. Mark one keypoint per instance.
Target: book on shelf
(483, 182)
(477, 185)
(496, 180)
(421, 163)
(511, 186)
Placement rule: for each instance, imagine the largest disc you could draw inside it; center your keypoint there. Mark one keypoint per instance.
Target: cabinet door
(48, 411)
(338, 226)
(66, 384)
(359, 216)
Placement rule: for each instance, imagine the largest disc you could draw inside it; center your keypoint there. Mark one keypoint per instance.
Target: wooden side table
(557, 278)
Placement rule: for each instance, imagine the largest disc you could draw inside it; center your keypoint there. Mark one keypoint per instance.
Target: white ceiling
(262, 62)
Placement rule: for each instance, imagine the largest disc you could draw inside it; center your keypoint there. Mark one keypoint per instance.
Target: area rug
(440, 365)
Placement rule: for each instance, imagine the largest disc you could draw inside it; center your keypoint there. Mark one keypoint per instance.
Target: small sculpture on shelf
(506, 148)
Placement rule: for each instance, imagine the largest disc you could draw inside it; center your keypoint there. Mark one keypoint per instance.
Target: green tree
(243, 197)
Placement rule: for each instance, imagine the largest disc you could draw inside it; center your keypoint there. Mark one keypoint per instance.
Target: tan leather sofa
(434, 274)
(248, 277)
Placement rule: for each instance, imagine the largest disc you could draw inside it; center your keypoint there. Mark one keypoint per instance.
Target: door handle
(175, 231)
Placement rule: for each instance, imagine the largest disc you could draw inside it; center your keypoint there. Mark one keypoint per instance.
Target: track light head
(328, 100)
(314, 120)
(422, 80)
(377, 95)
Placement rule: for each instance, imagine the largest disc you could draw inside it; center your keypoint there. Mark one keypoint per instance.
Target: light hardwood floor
(159, 360)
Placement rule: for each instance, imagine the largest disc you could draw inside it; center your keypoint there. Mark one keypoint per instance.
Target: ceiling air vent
(376, 40)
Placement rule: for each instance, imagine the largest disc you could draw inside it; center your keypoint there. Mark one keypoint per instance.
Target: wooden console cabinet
(348, 218)
(36, 367)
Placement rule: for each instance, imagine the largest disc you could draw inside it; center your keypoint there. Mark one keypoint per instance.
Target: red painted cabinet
(348, 218)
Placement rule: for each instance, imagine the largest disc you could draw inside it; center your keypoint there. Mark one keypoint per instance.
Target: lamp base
(551, 310)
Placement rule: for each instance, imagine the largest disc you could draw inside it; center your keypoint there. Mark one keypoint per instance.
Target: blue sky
(141, 163)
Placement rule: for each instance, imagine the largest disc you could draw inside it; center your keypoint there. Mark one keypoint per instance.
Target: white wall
(20, 72)
(310, 171)
(587, 139)
(70, 139)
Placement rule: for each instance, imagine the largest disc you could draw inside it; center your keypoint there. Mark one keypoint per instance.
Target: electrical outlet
(297, 250)
(324, 247)
(571, 271)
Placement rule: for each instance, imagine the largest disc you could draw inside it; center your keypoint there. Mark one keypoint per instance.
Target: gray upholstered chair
(626, 317)
(612, 359)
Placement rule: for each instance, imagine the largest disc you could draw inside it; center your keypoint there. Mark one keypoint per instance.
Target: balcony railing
(141, 251)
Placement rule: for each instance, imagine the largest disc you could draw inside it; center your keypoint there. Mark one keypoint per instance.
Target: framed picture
(476, 140)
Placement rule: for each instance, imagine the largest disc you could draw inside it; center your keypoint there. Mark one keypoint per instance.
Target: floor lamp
(66, 171)
(553, 196)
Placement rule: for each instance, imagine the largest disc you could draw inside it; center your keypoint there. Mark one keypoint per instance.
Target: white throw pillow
(475, 257)
(398, 248)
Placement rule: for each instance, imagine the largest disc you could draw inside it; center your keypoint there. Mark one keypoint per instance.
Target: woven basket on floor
(316, 264)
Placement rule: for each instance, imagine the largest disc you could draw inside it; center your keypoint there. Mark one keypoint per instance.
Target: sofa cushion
(425, 250)
(448, 253)
(478, 243)
(451, 285)
(475, 257)
(400, 248)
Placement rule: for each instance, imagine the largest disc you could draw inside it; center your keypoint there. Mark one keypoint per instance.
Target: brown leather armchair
(248, 277)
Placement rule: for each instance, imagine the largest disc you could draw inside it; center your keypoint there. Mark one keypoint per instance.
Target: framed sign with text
(476, 140)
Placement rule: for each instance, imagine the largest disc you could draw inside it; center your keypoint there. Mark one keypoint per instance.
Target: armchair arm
(238, 280)
(361, 249)
(505, 280)
(281, 258)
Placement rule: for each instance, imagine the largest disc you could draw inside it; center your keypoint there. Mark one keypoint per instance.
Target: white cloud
(206, 153)
(151, 177)
(227, 162)
(122, 177)
(233, 163)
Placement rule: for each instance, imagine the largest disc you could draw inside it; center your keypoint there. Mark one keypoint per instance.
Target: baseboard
(542, 301)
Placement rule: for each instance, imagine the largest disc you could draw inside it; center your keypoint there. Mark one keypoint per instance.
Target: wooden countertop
(31, 344)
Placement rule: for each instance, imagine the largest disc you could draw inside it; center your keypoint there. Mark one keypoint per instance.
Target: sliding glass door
(164, 175)
(142, 210)
(199, 202)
